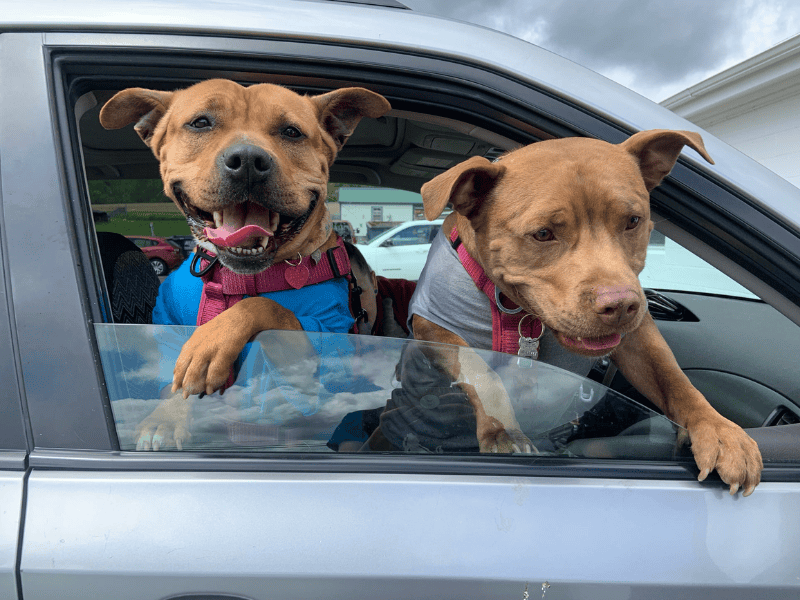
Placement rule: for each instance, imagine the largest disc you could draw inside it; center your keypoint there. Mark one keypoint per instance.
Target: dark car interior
(741, 353)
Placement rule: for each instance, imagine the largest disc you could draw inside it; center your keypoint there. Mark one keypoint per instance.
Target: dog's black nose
(247, 163)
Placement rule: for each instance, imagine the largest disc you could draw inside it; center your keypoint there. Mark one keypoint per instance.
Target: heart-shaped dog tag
(296, 275)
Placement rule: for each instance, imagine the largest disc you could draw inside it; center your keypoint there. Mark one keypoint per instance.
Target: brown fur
(191, 157)
(588, 204)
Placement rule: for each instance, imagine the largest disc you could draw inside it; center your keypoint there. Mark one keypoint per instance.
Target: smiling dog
(559, 229)
(248, 167)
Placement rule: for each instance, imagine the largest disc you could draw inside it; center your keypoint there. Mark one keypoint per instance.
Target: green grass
(138, 223)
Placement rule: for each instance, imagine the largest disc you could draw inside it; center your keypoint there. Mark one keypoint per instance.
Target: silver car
(265, 501)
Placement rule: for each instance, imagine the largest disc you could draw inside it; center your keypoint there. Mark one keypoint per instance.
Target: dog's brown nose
(246, 163)
(616, 305)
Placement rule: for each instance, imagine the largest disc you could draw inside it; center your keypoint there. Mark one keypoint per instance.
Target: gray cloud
(648, 45)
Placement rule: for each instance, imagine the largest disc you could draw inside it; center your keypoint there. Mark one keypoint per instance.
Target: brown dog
(248, 166)
(561, 228)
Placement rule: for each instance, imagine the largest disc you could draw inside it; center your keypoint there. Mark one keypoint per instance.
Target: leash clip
(199, 254)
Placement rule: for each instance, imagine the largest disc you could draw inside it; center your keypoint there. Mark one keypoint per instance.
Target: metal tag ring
(299, 260)
(519, 327)
(501, 307)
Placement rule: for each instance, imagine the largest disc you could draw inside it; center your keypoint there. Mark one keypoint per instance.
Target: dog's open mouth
(246, 230)
(592, 346)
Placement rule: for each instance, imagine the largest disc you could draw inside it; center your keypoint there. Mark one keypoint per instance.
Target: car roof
(406, 30)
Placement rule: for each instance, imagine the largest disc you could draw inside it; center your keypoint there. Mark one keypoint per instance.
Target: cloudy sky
(655, 47)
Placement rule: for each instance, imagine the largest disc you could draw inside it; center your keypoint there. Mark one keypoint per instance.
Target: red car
(164, 255)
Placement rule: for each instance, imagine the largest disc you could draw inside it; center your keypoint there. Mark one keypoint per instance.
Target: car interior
(740, 352)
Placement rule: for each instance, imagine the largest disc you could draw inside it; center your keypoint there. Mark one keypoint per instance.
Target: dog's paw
(722, 445)
(206, 359)
(507, 441)
(167, 426)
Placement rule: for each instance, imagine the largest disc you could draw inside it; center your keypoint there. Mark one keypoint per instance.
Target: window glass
(670, 266)
(312, 392)
(411, 236)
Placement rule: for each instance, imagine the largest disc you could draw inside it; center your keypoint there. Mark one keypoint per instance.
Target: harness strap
(506, 325)
(222, 288)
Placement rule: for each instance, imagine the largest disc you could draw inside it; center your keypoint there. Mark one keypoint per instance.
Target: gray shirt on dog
(447, 296)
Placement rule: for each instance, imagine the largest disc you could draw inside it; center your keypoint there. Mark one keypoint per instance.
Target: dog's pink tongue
(605, 342)
(229, 237)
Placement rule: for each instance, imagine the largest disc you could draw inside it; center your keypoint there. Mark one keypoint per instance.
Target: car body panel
(12, 486)
(86, 529)
(49, 248)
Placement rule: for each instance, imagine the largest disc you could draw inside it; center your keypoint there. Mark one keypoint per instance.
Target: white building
(373, 210)
(753, 106)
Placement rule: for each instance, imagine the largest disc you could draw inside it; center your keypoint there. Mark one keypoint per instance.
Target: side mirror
(387, 244)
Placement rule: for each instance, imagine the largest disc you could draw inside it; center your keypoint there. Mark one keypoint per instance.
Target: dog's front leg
(166, 426)
(497, 427)
(206, 359)
(717, 443)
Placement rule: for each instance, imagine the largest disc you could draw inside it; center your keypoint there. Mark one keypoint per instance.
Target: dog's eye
(543, 235)
(200, 123)
(291, 132)
(633, 222)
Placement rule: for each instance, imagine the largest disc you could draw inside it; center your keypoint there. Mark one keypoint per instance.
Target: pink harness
(509, 325)
(222, 288)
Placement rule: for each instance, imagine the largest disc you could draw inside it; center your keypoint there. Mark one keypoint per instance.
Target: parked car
(186, 243)
(258, 504)
(400, 253)
(164, 254)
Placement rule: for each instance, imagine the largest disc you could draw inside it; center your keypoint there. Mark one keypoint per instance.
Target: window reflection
(315, 392)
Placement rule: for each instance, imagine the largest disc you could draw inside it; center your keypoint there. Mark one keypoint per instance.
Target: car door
(13, 444)
(404, 253)
(293, 521)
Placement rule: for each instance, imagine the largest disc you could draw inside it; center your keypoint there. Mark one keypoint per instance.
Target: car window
(411, 236)
(138, 359)
(670, 266)
(132, 207)
(337, 390)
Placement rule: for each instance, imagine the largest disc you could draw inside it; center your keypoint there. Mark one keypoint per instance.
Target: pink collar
(510, 328)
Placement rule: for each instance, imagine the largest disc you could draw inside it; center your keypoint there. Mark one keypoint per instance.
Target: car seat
(130, 280)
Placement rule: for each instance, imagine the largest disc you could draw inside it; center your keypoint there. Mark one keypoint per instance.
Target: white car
(400, 253)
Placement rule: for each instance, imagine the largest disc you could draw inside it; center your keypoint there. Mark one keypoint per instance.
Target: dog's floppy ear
(144, 107)
(465, 185)
(657, 150)
(340, 111)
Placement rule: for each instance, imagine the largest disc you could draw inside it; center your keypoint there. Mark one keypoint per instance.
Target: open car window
(315, 392)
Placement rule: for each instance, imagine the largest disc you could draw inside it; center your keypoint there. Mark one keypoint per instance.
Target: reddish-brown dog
(248, 166)
(561, 227)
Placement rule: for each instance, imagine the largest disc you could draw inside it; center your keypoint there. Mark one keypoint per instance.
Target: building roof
(362, 195)
(763, 79)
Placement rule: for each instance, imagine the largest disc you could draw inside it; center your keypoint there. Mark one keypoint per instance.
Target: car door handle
(207, 597)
